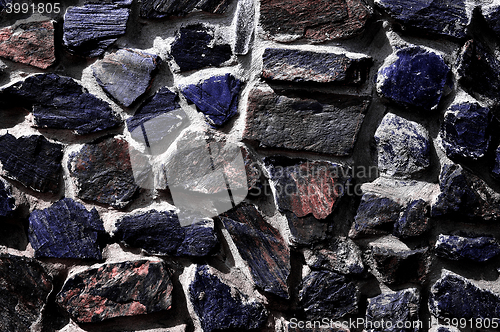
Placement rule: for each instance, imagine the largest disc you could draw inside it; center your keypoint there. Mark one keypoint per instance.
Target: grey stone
(342, 256)
(244, 22)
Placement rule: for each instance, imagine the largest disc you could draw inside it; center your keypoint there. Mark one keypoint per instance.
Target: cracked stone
(342, 256)
(166, 8)
(478, 249)
(7, 201)
(414, 220)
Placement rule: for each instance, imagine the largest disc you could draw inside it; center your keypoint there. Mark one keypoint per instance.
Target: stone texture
(221, 307)
(495, 171)
(333, 121)
(66, 229)
(126, 74)
(166, 8)
(262, 247)
(24, 289)
(307, 230)
(456, 296)
(477, 69)
(192, 49)
(414, 77)
(32, 160)
(102, 172)
(307, 66)
(59, 102)
(327, 294)
(414, 220)
(88, 30)
(375, 215)
(216, 97)
(29, 43)
(403, 146)
(441, 17)
(491, 13)
(160, 233)
(116, 290)
(342, 256)
(478, 249)
(244, 22)
(465, 132)
(319, 21)
(393, 308)
(7, 201)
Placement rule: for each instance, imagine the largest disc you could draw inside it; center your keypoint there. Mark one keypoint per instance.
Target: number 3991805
(40, 8)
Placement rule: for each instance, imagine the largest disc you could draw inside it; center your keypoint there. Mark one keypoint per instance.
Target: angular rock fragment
(393, 309)
(306, 66)
(102, 172)
(465, 131)
(216, 97)
(441, 17)
(7, 202)
(342, 256)
(193, 49)
(126, 74)
(25, 288)
(478, 249)
(221, 307)
(60, 102)
(66, 229)
(88, 30)
(317, 21)
(491, 14)
(307, 230)
(403, 146)
(29, 43)
(414, 220)
(495, 171)
(456, 296)
(116, 290)
(166, 8)
(244, 22)
(327, 294)
(414, 77)
(333, 121)
(32, 160)
(262, 247)
(160, 233)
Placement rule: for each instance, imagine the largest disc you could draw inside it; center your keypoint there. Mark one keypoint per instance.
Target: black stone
(32, 160)
(414, 221)
(307, 230)
(166, 8)
(342, 256)
(491, 13)
(7, 202)
(478, 249)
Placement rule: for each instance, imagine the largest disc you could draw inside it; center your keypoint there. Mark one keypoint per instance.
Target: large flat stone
(478, 249)
(166, 8)
(116, 290)
(277, 121)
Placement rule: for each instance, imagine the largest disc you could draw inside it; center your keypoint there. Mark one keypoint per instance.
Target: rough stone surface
(403, 146)
(117, 289)
(160, 233)
(465, 132)
(126, 74)
(192, 49)
(102, 172)
(32, 160)
(7, 201)
(216, 97)
(66, 229)
(456, 296)
(244, 22)
(319, 21)
(307, 230)
(88, 30)
(441, 17)
(478, 249)
(396, 307)
(491, 14)
(24, 289)
(495, 171)
(221, 307)
(307, 66)
(414, 77)
(29, 43)
(342, 256)
(166, 8)
(59, 102)
(414, 220)
(276, 120)
(327, 294)
(262, 247)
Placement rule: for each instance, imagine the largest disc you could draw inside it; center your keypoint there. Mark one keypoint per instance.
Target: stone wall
(263, 165)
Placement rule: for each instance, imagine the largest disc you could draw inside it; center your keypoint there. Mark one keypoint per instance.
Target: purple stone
(478, 249)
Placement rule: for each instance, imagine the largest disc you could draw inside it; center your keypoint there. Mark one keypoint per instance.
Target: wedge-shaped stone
(478, 249)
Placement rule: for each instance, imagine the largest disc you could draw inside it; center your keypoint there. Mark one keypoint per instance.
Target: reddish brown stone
(318, 20)
(29, 43)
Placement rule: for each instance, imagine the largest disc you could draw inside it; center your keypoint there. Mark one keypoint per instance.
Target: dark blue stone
(222, 308)
(417, 79)
(465, 131)
(32, 160)
(414, 221)
(441, 17)
(262, 247)
(397, 307)
(166, 8)
(192, 49)
(59, 102)
(66, 230)
(160, 233)
(327, 294)
(7, 202)
(454, 296)
(495, 171)
(216, 97)
(375, 215)
(478, 249)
